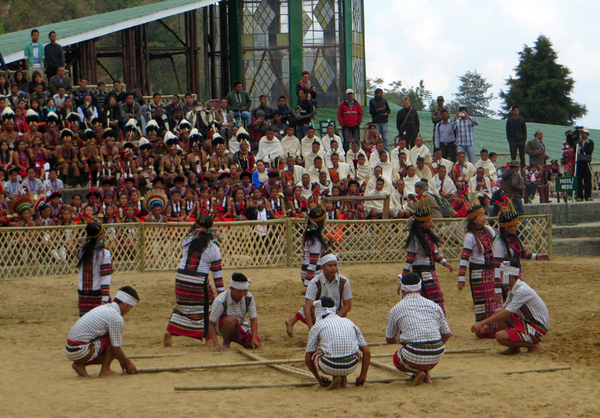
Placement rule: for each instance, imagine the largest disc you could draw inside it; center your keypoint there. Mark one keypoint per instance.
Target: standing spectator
(305, 114)
(583, 169)
(61, 79)
(239, 102)
(436, 113)
(512, 185)
(307, 85)
(536, 150)
(445, 135)
(380, 111)
(118, 92)
(34, 54)
(80, 92)
(100, 96)
(465, 140)
(55, 57)
(350, 116)
(407, 122)
(516, 134)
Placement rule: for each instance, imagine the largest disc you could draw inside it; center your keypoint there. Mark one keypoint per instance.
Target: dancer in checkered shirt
(228, 316)
(523, 319)
(341, 343)
(328, 283)
(96, 338)
(420, 325)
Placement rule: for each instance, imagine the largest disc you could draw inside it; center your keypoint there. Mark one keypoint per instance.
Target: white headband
(126, 298)
(411, 288)
(327, 259)
(508, 271)
(239, 285)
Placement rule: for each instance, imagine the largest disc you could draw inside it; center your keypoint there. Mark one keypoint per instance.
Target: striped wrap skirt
(336, 366)
(89, 300)
(87, 353)
(194, 301)
(431, 286)
(481, 279)
(419, 356)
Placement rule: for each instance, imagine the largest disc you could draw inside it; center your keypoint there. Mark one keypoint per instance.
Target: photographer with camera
(584, 149)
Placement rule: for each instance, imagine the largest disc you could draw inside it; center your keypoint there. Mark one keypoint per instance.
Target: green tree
(419, 96)
(373, 84)
(472, 93)
(542, 87)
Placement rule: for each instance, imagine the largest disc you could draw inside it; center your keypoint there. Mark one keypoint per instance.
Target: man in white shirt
(399, 149)
(13, 186)
(269, 148)
(399, 201)
(290, 144)
(53, 184)
(316, 169)
(481, 188)
(419, 150)
(462, 171)
(309, 158)
(372, 184)
(329, 137)
(437, 161)
(422, 170)
(410, 180)
(374, 208)
(339, 173)
(334, 149)
(488, 166)
(308, 140)
(33, 184)
(442, 185)
(354, 152)
(291, 174)
(374, 158)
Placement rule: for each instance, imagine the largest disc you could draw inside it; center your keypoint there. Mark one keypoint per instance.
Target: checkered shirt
(464, 134)
(527, 304)
(339, 337)
(416, 319)
(331, 290)
(224, 302)
(97, 322)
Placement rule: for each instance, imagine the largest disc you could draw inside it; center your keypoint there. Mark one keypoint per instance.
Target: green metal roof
(489, 134)
(79, 30)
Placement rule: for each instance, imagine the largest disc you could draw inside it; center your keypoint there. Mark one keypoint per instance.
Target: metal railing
(135, 248)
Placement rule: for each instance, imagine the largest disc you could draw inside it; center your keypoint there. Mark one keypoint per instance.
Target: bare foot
(209, 342)
(535, 349)
(344, 384)
(419, 378)
(427, 377)
(80, 369)
(335, 383)
(510, 351)
(225, 346)
(167, 339)
(108, 372)
(289, 327)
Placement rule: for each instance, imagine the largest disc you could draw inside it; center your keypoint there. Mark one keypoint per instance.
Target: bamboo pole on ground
(385, 366)
(275, 366)
(397, 379)
(156, 355)
(215, 366)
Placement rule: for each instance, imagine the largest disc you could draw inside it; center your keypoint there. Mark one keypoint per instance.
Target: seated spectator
(61, 79)
(270, 150)
(118, 92)
(533, 177)
(419, 150)
(480, 188)
(268, 112)
(488, 166)
(290, 144)
(287, 114)
(307, 142)
(99, 97)
(462, 171)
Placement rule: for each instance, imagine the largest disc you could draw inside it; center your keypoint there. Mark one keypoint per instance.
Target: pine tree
(542, 87)
(472, 94)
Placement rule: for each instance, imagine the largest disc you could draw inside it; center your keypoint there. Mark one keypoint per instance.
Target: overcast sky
(437, 41)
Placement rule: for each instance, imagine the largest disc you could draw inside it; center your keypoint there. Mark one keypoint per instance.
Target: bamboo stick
(385, 366)
(397, 379)
(214, 366)
(157, 355)
(281, 368)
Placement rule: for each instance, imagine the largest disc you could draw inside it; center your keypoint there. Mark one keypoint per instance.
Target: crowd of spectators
(235, 161)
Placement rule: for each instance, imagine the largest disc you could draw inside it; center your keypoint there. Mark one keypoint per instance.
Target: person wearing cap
(523, 319)
(513, 185)
(228, 316)
(420, 325)
(97, 337)
(95, 269)
(436, 114)
(478, 257)
(201, 256)
(349, 117)
(380, 111)
(327, 283)
(341, 343)
(583, 170)
(155, 201)
(407, 123)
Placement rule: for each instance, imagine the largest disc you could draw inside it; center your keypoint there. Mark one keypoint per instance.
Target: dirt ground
(37, 380)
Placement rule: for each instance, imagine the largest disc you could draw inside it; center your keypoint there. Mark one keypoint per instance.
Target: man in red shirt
(350, 116)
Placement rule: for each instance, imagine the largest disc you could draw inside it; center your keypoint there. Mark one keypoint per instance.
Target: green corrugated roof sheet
(490, 133)
(12, 43)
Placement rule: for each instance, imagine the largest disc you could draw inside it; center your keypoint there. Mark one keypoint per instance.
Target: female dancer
(422, 253)
(95, 269)
(507, 245)
(477, 255)
(201, 255)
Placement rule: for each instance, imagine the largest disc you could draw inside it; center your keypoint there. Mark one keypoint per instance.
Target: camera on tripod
(574, 136)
